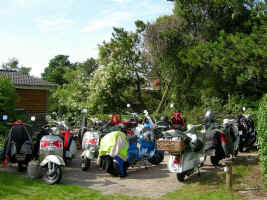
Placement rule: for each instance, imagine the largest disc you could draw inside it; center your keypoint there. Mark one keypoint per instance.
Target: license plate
(210, 152)
(20, 157)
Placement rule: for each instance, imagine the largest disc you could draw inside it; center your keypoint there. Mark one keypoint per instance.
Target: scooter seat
(132, 139)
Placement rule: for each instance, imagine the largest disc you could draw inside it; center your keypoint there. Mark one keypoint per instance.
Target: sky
(35, 31)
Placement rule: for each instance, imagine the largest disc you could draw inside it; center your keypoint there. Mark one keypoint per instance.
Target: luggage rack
(170, 145)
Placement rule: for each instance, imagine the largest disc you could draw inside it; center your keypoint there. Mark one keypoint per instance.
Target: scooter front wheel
(54, 176)
(85, 164)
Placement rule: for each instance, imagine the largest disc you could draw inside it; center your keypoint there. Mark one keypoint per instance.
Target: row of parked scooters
(117, 145)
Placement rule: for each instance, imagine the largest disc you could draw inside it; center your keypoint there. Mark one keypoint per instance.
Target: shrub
(262, 135)
(7, 97)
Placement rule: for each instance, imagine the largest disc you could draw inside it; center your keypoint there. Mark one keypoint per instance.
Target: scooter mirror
(84, 111)
(5, 117)
(128, 105)
(33, 118)
(172, 105)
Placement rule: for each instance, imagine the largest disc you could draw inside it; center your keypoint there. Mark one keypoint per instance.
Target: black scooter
(18, 146)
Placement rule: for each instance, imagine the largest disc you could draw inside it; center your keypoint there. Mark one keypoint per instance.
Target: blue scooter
(145, 152)
(147, 148)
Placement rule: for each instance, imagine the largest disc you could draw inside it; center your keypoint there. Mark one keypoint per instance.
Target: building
(32, 92)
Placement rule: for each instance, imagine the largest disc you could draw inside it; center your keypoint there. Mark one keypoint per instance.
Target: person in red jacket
(177, 121)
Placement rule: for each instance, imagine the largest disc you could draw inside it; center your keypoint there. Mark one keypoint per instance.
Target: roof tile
(23, 79)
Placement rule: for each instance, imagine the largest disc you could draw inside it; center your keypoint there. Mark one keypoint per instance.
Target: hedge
(262, 136)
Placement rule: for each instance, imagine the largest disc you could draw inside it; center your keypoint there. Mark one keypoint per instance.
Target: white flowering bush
(73, 97)
(107, 87)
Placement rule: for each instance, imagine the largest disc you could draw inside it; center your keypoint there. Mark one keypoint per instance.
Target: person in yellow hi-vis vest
(113, 152)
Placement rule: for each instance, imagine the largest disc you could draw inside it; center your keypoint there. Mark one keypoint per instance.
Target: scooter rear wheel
(21, 168)
(214, 160)
(53, 178)
(156, 159)
(180, 177)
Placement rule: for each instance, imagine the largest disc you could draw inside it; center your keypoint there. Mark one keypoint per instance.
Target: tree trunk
(165, 94)
(139, 92)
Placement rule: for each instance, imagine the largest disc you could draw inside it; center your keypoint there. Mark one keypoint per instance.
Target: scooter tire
(86, 164)
(214, 160)
(49, 179)
(20, 167)
(235, 152)
(156, 159)
(180, 177)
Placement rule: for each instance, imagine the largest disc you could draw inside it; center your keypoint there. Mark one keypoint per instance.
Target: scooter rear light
(93, 141)
(176, 160)
(223, 138)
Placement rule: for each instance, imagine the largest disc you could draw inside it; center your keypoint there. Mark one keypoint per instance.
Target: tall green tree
(57, 67)
(212, 48)
(125, 50)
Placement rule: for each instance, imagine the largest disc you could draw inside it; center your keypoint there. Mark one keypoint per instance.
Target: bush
(7, 97)
(262, 135)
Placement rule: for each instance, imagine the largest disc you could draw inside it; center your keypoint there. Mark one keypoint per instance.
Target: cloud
(54, 24)
(113, 20)
(121, 1)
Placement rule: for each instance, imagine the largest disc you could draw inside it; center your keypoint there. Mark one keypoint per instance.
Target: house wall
(32, 100)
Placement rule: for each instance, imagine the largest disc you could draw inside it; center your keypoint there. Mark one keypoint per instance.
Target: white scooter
(190, 156)
(51, 156)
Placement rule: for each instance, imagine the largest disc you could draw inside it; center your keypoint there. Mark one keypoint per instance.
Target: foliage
(70, 99)
(107, 87)
(7, 97)
(262, 135)
(125, 51)
(56, 69)
(209, 49)
(13, 64)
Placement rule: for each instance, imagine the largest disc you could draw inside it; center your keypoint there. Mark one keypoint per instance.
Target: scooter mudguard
(133, 153)
(54, 159)
(174, 168)
(119, 161)
(89, 154)
(187, 161)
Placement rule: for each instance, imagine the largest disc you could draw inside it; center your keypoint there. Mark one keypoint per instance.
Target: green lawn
(13, 186)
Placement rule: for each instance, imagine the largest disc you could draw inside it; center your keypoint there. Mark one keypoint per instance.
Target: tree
(7, 96)
(125, 50)
(206, 43)
(13, 64)
(109, 88)
(89, 66)
(69, 99)
(57, 67)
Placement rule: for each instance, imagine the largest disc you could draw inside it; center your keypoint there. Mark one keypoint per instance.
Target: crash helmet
(164, 118)
(122, 127)
(209, 116)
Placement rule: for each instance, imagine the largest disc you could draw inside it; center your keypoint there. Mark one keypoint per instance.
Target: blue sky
(34, 31)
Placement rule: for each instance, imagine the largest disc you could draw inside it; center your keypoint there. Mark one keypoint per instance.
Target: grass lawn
(210, 185)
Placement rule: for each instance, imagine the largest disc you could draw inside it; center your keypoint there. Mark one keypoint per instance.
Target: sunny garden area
(204, 56)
